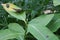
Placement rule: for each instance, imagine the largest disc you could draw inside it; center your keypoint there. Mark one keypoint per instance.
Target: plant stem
(26, 27)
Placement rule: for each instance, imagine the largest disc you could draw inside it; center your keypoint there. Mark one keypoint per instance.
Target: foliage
(30, 23)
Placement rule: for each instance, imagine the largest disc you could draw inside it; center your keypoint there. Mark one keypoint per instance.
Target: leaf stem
(26, 27)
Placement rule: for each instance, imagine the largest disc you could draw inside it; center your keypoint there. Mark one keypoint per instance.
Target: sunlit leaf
(37, 28)
(43, 20)
(13, 13)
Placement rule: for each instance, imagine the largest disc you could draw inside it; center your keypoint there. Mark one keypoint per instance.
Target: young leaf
(56, 2)
(7, 34)
(13, 12)
(37, 27)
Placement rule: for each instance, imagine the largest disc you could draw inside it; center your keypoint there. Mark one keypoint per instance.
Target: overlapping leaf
(37, 28)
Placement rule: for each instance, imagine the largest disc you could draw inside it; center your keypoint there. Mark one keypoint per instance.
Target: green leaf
(17, 28)
(7, 34)
(41, 32)
(12, 12)
(55, 23)
(56, 2)
(55, 26)
(21, 37)
(43, 20)
(18, 16)
(37, 28)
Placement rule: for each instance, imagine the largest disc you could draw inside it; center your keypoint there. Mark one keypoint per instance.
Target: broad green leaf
(43, 20)
(7, 34)
(56, 2)
(13, 13)
(17, 28)
(37, 28)
(41, 32)
(55, 23)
